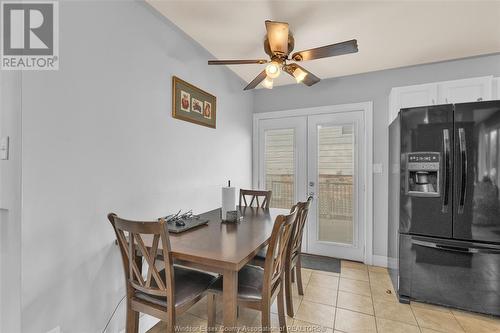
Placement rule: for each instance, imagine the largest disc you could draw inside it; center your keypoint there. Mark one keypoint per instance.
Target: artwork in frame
(192, 104)
(196, 105)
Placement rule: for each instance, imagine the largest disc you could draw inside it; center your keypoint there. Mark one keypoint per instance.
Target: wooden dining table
(224, 248)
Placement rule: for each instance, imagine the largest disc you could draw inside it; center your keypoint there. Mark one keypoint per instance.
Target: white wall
(374, 87)
(98, 137)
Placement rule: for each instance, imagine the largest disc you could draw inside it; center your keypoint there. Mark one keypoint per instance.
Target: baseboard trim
(379, 260)
(392, 263)
(146, 322)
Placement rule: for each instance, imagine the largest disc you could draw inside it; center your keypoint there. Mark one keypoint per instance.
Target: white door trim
(367, 109)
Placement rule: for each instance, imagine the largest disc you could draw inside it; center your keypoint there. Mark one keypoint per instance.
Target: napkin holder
(232, 216)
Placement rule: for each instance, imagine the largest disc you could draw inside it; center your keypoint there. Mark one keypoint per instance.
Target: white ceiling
(389, 34)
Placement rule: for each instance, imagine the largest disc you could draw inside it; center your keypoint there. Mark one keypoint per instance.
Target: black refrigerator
(444, 205)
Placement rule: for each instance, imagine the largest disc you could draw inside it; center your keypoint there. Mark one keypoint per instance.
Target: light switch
(377, 168)
(4, 148)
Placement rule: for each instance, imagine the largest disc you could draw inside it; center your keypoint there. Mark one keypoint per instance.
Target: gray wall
(98, 137)
(374, 87)
(10, 204)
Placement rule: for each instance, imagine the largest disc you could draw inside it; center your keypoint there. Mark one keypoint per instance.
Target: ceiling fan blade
(350, 46)
(296, 71)
(277, 35)
(255, 82)
(237, 62)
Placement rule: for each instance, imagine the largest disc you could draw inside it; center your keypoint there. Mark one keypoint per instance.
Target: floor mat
(320, 263)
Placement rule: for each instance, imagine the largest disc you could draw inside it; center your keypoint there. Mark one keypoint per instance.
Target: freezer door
(460, 274)
(476, 214)
(426, 171)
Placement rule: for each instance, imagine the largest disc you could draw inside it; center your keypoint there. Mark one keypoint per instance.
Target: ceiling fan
(278, 44)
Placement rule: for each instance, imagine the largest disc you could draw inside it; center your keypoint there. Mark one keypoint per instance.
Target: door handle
(440, 246)
(463, 166)
(446, 147)
(452, 248)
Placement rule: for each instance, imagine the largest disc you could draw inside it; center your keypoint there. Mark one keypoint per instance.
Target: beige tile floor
(360, 299)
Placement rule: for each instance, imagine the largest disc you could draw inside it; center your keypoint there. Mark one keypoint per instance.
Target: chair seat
(189, 284)
(250, 281)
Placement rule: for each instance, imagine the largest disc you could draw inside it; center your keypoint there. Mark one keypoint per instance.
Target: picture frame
(192, 104)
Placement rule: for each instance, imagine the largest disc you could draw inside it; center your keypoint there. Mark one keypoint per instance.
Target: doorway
(323, 152)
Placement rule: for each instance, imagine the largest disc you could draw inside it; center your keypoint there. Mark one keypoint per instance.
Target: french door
(336, 177)
(322, 156)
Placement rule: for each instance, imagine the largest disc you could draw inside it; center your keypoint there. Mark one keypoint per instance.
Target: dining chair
(165, 291)
(258, 287)
(255, 195)
(293, 264)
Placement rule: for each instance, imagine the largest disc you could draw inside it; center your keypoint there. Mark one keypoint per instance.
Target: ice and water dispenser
(423, 174)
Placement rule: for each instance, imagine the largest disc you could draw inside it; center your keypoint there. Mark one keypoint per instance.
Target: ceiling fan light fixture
(268, 83)
(299, 75)
(279, 42)
(273, 70)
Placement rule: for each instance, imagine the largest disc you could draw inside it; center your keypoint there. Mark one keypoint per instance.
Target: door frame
(367, 109)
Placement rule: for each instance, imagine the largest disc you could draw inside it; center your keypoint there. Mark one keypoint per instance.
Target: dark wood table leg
(230, 299)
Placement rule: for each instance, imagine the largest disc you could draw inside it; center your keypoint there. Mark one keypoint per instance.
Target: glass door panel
(279, 166)
(282, 160)
(335, 171)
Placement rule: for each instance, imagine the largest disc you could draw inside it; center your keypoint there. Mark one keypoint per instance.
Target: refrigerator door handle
(463, 169)
(446, 147)
(471, 250)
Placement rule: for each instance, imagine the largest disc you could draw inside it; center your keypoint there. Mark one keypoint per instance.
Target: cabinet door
(467, 90)
(496, 88)
(412, 96)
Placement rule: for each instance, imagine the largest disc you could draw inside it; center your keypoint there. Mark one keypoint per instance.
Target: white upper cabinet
(447, 92)
(421, 95)
(463, 91)
(496, 88)
(410, 96)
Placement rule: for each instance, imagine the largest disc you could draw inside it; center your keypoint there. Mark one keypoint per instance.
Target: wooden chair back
(274, 265)
(255, 195)
(296, 241)
(130, 239)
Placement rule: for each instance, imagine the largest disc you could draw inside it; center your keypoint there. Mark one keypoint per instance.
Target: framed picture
(192, 104)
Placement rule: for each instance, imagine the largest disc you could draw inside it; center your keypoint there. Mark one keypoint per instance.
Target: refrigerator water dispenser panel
(423, 174)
